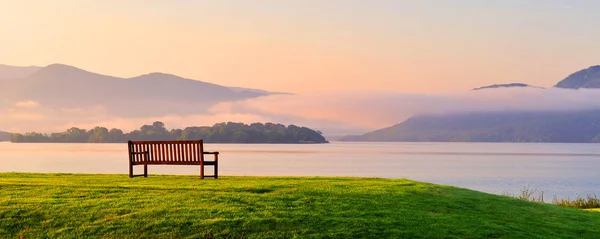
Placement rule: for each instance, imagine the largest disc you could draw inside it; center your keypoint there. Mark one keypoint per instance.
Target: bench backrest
(167, 152)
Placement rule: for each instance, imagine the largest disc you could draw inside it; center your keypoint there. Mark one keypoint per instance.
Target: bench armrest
(210, 152)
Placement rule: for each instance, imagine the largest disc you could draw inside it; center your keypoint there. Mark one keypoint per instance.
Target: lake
(562, 170)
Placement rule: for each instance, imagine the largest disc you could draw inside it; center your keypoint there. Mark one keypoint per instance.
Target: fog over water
(333, 113)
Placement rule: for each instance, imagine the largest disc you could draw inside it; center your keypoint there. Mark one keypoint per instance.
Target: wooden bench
(179, 152)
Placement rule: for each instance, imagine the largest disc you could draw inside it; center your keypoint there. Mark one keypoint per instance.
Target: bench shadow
(261, 190)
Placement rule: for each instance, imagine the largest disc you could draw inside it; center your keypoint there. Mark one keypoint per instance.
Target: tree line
(229, 132)
(4, 136)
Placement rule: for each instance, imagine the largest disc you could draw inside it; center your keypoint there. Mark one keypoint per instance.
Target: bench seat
(176, 152)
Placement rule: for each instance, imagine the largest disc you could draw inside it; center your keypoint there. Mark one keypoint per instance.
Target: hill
(4, 136)
(115, 206)
(12, 72)
(153, 94)
(510, 85)
(251, 90)
(586, 78)
(501, 126)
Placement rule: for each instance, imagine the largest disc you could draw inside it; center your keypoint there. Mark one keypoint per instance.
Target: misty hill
(502, 126)
(152, 94)
(4, 136)
(12, 72)
(586, 78)
(514, 126)
(241, 89)
(510, 85)
(219, 133)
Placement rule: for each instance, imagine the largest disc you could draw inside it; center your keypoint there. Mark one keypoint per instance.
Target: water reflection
(564, 170)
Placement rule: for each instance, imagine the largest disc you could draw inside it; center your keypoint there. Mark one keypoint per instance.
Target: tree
(240, 136)
(116, 136)
(99, 135)
(58, 137)
(75, 134)
(16, 138)
(156, 131)
(176, 134)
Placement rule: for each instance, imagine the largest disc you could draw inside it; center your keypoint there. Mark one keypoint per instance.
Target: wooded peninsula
(219, 133)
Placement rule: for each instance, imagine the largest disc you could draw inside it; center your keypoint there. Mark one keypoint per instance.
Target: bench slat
(188, 152)
(163, 151)
(195, 150)
(137, 149)
(181, 152)
(172, 152)
(153, 155)
(153, 152)
(173, 148)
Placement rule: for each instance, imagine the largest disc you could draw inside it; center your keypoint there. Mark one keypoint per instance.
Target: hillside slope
(586, 78)
(512, 126)
(12, 72)
(116, 206)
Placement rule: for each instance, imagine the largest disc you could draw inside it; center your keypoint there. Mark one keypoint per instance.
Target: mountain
(64, 86)
(586, 78)
(4, 136)
(501, 126)
(510, 85)
(11, 72)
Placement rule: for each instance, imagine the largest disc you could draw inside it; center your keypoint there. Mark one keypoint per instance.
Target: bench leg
(216, 171)
(216, 166)
(146, 157)
(145, 170)
(201, 170)
(130, 170)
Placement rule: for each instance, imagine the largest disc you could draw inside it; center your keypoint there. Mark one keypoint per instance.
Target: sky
(306, 46)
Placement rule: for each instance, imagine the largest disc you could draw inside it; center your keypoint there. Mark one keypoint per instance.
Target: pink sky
(307, 46)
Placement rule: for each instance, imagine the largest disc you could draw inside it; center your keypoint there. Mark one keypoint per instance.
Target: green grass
(115, 206)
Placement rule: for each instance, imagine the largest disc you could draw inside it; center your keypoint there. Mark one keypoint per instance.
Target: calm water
(564, 170)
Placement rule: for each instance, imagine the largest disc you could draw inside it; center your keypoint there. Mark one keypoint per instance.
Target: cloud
(373, 110)
(27, 104)
(334, 113)
(27, 116)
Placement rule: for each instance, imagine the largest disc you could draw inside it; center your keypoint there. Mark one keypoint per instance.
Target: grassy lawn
(115, 206)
